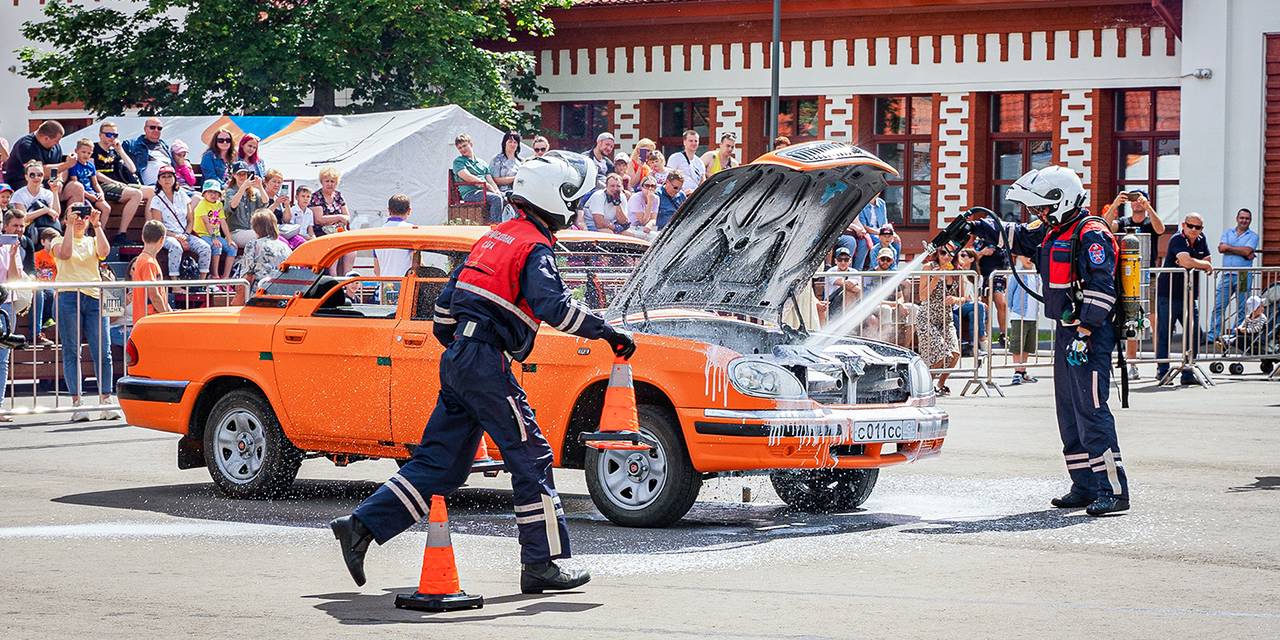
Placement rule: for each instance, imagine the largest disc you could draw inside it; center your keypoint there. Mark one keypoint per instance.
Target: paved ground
(103, 537)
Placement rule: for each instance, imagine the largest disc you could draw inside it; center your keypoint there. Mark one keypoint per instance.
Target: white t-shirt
(692, 168)
(394, 262)
(598, 205)
(33, 202)
(304, 217)
(156, 158)
(172, 213)
(636, 206)
(831, 286)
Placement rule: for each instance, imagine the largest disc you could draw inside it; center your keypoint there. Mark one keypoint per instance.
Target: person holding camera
(1131, 211)
(77, 255)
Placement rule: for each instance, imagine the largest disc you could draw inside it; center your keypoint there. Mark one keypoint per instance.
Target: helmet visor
(579, 177)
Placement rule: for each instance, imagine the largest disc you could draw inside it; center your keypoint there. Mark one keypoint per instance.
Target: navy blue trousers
(478, 394)
(1088, 430)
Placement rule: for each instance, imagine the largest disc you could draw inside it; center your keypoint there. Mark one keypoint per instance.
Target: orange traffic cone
(482, 451)
(619, 420)
(438, 588)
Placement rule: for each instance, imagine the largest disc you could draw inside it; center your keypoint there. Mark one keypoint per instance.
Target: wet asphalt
(104, 537)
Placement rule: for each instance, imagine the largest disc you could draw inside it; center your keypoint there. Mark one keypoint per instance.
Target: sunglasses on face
(111, 135)
(539, 149)
(650, 186)
(35, 175)
(224, 140)
(154, 127)
(1197, 227)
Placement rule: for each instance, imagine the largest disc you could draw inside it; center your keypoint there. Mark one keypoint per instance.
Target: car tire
(247, 453)
(643, 496)
(824, 490)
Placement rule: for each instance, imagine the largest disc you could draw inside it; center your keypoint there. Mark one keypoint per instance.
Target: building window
(1021, 140)
(797, 119)
(679, 116)
(580, 123)
(902, 135)
(1148, 152)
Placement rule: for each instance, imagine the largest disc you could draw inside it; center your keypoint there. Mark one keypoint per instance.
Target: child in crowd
(1024, 319)
(182, 166)
(84, 172)
(146, 267)
(211, 225)
(46, 270)
(1255, 322)
(302, 215)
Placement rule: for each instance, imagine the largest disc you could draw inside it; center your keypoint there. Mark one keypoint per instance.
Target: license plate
(884, 430)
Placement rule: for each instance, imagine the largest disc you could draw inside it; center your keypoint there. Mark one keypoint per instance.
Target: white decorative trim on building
(1076, 148)
(728, 119)
(952, 167)
(840, 117)
(626, 123)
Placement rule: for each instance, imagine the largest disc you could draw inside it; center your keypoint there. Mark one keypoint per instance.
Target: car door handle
(295, 336)
(415, 340)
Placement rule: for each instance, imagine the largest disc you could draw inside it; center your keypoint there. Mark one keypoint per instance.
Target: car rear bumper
(839, 437)
(156, 404)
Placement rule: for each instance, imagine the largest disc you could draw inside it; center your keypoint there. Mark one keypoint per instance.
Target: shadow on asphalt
(370, 609)
(1261, 483)
(487, 512)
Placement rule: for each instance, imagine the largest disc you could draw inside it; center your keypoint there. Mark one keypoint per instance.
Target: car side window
(371, 298)
(430, 273)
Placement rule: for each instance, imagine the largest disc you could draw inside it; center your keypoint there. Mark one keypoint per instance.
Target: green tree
(181, 57)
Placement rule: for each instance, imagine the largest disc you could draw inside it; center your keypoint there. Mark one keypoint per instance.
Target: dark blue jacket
(540, 286)
(140, 153)
(1050, 249)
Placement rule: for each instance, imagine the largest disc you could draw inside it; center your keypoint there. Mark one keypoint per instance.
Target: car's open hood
(747, 238)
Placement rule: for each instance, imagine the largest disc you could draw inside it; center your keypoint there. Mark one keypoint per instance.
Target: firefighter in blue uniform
(1076, 255)
(486, 315)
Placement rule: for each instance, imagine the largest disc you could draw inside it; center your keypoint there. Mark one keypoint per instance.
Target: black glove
(621, 342)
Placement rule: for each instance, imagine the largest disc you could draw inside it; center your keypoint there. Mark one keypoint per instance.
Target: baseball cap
(885, 252)
(240, 166)
(604, 136)
(166, 169)
(5, 187)
(621, 155)
(887, 228)
(211, 184)
(843, 251)
(177, 147)
(1142, 191)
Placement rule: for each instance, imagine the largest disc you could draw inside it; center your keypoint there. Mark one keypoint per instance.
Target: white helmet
(551, 184)
(1052, 186)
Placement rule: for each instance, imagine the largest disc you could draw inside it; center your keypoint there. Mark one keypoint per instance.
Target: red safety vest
(1062, 267)
(493, 268)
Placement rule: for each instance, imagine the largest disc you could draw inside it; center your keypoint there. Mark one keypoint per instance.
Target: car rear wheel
(247, 453)
(651, 488)
(824, 490)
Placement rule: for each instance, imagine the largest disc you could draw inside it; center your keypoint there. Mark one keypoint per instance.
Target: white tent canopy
(378, 154)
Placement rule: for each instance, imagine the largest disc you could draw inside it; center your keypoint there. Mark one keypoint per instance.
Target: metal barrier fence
(922, 312)
(89, 318)
(1211, 306)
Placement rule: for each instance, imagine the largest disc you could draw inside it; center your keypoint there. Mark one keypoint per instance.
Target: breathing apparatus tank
(1131, 285)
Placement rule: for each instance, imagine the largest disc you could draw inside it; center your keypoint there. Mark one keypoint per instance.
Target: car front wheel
(824, 490)
(246, 452)
(651, 488)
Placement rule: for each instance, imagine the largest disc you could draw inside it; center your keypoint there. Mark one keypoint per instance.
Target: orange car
(347, 369)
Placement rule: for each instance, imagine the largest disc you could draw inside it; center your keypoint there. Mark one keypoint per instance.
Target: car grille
(878, 384)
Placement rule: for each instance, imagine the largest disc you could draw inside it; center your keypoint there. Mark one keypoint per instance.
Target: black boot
(1107, 504)
(354, 538)
(1072, 500)
(546, 576)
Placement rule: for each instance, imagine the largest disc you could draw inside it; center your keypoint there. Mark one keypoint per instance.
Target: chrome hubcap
(241, 445)
(632, 480)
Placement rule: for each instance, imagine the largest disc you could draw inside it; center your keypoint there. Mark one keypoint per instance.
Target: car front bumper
(832, 437)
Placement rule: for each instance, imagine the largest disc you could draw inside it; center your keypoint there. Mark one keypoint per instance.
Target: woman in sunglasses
(80, 318)
(219, 156)
(38, 203)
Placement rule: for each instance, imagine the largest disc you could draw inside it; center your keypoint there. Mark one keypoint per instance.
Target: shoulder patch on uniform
(1096, 254)
(1034, 224)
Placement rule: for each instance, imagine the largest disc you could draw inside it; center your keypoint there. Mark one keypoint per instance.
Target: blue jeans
(7, 310)
(1227, 285)
(80, 314)
(966, 311)
(42, 309)
(493, 203)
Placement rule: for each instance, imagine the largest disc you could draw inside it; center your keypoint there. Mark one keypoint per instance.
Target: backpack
(188, 269)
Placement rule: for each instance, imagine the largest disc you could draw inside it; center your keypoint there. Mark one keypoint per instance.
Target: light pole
(774, 63)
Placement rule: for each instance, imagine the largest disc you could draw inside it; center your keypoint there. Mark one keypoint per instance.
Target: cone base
(439, 602)
(618, 440)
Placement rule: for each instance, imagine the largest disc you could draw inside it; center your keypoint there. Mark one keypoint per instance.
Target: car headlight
(763, 379)
(921, 378)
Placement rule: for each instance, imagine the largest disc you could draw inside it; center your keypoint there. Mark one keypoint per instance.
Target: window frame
(795, 101)
(588, 140)
(908, 140)
(1026, 137)
(669, 144)
(1152, 136)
